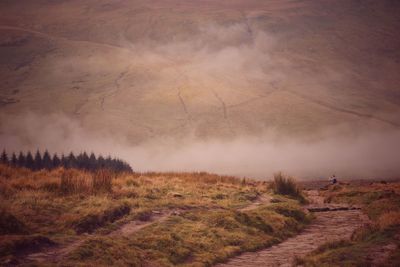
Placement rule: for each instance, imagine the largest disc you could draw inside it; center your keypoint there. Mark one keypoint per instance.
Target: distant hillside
(209, 69)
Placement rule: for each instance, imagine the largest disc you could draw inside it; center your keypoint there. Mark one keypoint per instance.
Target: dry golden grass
(59, 205)
(286, 185)
(77, 182)
(389, 219)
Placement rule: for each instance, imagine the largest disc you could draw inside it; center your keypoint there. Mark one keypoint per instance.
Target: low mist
(249, 96)
(371, 155)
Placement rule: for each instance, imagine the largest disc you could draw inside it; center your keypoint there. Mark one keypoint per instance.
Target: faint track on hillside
(79, 107)
(184, 107)
(253, 99)
(117, 85)
(247, 23)
(344, 110)
(223, 105)
(224, 111)
(55, 37)
(180, 79)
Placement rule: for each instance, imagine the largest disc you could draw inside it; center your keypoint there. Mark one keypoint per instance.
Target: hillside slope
(204, 68)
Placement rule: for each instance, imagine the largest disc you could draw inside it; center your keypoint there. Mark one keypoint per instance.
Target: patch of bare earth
(333, 223)
(134, 226)
(261, 200)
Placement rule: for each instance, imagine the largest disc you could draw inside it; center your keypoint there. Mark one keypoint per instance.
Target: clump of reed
(73, 182)
(286, 185)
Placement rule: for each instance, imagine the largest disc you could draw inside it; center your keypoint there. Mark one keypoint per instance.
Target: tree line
(82, 161)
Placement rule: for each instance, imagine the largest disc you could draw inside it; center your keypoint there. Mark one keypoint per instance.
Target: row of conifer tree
(47, 161)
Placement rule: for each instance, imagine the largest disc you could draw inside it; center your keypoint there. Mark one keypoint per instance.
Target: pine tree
(4, 157)
(38, 162)
(29, 162)
(64, 162)
(46, 161)
(108, 163)
(56, 162)
(21, 160)
(82, 161)
(100, 163)
(85, 161)
(92, 162)
(71, 161)
(14, 160)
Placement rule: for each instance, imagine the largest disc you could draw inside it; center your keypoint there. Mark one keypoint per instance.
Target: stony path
(328, 226)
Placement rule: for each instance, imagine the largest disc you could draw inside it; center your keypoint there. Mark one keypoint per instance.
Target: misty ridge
(369, 155)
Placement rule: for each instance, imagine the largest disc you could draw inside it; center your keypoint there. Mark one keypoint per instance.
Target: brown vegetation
(75, 182)
(203, 220)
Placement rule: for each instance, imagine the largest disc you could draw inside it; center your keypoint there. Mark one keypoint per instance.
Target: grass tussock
(389, 219)
(76, 182)
(381, 202)
(286, 185)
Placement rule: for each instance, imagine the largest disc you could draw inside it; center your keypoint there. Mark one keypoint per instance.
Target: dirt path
(263, 199)
(58, 253)
(328, 226)
(134, 226)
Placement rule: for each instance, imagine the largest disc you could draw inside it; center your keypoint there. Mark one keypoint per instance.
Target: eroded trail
(328, 226)
(56, 254)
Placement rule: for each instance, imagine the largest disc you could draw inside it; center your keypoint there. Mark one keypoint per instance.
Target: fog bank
(370, 155)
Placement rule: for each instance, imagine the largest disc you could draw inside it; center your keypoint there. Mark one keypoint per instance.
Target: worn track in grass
(58, 253)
